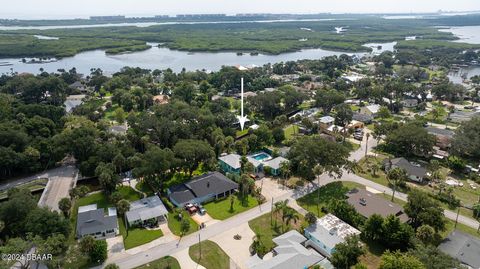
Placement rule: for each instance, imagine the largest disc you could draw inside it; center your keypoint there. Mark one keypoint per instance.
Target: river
(161, 58)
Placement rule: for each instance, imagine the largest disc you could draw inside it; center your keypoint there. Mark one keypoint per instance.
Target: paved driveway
(185, 261)
(271, 188)
(238, 250)
(205, 218)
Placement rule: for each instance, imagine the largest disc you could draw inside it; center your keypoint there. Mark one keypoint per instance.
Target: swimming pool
(261, 156)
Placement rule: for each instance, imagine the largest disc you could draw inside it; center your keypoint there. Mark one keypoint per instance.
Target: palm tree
(288, 215)
(396, 176)
(279, 207)
(285, 169)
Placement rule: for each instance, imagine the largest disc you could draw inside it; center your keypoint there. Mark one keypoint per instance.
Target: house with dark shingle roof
(200, 189)
(367, 204)
(415, 172)
(463, 247)
(92, 221)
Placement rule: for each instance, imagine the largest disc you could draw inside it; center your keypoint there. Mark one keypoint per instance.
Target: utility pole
(456, 219)
(200, 245)
(366, 145)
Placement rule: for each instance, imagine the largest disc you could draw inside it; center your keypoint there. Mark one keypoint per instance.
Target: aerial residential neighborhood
(208, 135)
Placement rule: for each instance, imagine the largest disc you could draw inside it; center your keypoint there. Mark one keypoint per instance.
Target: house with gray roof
(275, 164)
(327, 232)
(463, 247)
(367, 204)
(145, 211)
(371, 110)
(415, 172)
(92, 221)
(461, 116)
(365, 118)
(289, 253)
(200, 189)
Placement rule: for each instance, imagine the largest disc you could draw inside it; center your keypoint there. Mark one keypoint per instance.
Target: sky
(50, 9)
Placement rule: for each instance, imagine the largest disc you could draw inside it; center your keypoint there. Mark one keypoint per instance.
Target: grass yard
(290, 131)
(98, 198)
(266, 230)
(143, 187)
(129, 194)
(220, 209)
(364, 169)
(174, 224)
(462, 227)
(240, 133)
(162, 263)
(212, 256)
(137, 236)
(334, 190)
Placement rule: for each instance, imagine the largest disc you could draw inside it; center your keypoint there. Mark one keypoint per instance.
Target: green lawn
(129, 194)
(98, 198)
(290, 131)
(334, 190)
(162, 263)
(220, 209)
(268, 226)
(143, 187)
(137, 236)
(212, 256)
(102, 201)
(240, 133)
(174, 224)
(364, 169)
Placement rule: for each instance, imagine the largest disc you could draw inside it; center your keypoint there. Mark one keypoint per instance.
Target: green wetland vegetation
(269, 38)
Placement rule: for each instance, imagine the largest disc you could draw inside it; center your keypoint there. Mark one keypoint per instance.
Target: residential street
(277, 193)
(61, 171)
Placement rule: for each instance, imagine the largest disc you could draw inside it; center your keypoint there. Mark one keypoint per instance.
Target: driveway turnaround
(238, 250)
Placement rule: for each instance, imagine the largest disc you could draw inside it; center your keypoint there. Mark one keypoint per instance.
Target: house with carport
(202, 189)
(149, 210)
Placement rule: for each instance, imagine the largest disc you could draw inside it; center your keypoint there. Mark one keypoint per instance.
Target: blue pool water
(261, 156)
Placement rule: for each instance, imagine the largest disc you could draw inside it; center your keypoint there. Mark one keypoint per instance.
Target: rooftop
(233, 160)
(275, 163)
(408, 167)
(331, 230)
(438, 131)
(93, 221)
(146, 208)
(462, 246)
(367, 204)
(200, 186)
(289, 253)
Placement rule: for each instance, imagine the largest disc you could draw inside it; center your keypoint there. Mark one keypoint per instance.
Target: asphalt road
(61, 171)
(127, 261)
(58, 187)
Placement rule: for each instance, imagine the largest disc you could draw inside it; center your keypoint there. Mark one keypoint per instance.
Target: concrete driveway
(238, 250)
(115, 245)
(271, 188)
(205, 218)
(185, 261)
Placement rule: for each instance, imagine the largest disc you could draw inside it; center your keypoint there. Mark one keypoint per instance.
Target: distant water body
(148, 24)
(467, 34)
(161, 58)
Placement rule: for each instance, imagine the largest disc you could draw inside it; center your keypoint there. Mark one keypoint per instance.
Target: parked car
(202, 210)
